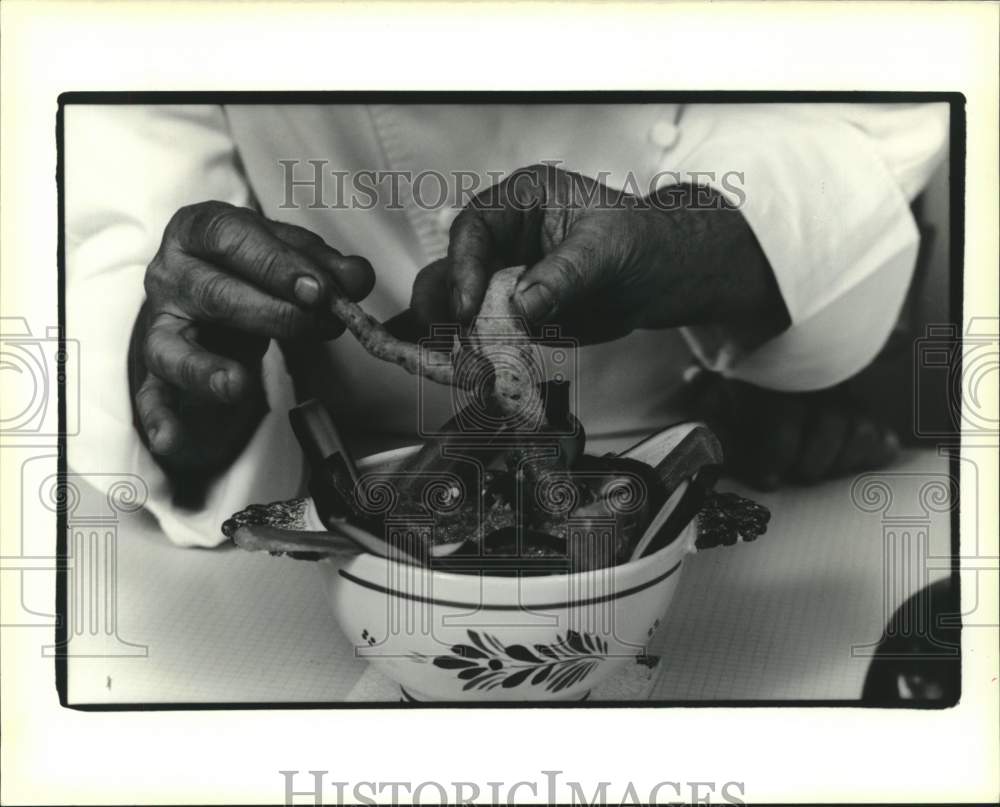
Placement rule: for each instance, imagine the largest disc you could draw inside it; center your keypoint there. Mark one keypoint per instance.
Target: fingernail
(219, 382)
(536, 302)
(307, 290)
(151, 434)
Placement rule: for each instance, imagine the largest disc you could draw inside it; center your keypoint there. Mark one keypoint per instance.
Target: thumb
(572, 271)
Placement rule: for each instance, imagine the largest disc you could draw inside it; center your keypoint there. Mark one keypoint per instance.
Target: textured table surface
(793, 616)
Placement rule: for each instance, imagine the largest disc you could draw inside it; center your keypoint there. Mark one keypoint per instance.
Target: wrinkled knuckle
(568, 276)
(546, 175)
(153, 279)
(187, 370)
(467, 217)
(287, 322)
(151, 354)
(187, 216)
(305, 237)
(145, 398)
(527, 186)
(211, 297)
(538, 171)
(269, 264)
(218, 228)
(182, 217)
(219, 232)
(149, 279)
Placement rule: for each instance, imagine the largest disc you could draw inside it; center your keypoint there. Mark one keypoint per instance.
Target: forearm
(714, 270)
(825, 190)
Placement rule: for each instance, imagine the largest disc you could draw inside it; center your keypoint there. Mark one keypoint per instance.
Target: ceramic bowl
(447, 636)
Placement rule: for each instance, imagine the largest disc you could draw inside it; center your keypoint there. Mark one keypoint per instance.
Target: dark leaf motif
(575, 641)
(582, 673)
(562, 648)
(521, 653)
(466, 651)
(483, 681)
(578, 673)
(452, 663)
(556, 686)
(564, 680)
(470, 672)
(558, 681)
(512, 681)
(476, 681)
(559, 665)
(542, 673)
(477, 640)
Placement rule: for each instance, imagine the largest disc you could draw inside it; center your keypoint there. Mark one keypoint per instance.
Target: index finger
(352, 274)
(499, 227)
(239, 239)
(471, 259)
(154, 408)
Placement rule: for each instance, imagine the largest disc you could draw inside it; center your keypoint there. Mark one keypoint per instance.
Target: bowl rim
(682, 545)
(678, 547)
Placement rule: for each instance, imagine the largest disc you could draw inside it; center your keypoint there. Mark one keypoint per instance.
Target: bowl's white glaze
(447, 636)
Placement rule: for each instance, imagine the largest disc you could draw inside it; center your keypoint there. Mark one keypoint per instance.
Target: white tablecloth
(794, 615)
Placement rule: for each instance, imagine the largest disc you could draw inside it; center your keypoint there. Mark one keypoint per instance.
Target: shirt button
(663, 134)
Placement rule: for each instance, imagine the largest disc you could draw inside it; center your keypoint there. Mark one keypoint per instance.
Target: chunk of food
(535, 494)
(727, 518)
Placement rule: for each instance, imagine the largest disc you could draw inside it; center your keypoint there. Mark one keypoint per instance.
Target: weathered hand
(602, 262)
(224, 282)
(771, 438)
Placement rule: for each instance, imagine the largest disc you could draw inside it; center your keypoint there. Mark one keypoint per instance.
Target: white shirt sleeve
(127, 170)
(826, 190)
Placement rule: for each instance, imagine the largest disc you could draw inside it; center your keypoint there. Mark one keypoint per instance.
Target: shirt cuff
(836, 230)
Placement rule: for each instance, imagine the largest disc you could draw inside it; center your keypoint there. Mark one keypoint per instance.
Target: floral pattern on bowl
(487, 663)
